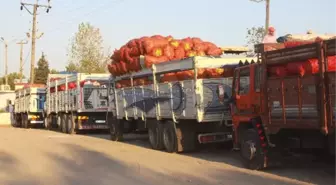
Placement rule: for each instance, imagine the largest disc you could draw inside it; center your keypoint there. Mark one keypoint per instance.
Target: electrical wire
(94, 10)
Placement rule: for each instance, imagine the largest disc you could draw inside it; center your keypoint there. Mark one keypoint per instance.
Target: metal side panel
(209, 107)
(120, 103)
(164, 99)
(184, 100)
(144, 102)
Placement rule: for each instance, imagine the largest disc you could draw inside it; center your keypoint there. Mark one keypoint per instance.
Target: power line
(86, 14)
(34, 30)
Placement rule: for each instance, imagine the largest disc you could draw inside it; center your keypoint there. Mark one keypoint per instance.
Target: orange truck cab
(286, 110)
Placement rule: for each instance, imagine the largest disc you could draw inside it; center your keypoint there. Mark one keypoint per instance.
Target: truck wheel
(251, 150)
(64, 123)
(25, 121)
(47, 122)
(116, 130)
(155, 135)
(169, 137)
(70, 124)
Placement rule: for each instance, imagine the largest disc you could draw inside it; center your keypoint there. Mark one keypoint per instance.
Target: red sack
(185, 75)
(174, 43)
(169, 77)
(196, 40)
(134, 52)
(279, 71)
(118, 69)
(111, 69)
(123, 67)
(157, 52)
(331, 63)
(200, 47)
(72, 85)
(179, 53)
(136, 64)
(132, 43)
(157, 37)
(150, 44)
(214, 52)
(191, 53)
(140, 45)
(118, 85)
(186, 45)
(201, 73)
(215, 72)
(169, 38)
(150, 60)
(296, 68)
(209, 46)
(116, 55)
(200, 53)
(168, 51)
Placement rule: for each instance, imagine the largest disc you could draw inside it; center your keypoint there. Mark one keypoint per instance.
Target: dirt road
(31, 156)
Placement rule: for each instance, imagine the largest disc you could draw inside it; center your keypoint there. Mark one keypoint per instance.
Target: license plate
(94, 127)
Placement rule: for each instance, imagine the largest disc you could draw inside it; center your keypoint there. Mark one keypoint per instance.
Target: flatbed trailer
(273, 113)
(77, 101)
(177, 115)
(29, 106)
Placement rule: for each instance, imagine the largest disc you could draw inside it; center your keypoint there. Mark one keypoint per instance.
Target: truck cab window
(244, 81)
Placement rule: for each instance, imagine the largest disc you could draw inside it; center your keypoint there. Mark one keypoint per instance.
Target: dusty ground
(46, 157)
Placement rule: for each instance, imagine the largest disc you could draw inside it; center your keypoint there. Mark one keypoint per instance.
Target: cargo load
(157, 49)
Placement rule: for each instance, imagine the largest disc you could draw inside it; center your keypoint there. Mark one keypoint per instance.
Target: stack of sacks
(157, 49)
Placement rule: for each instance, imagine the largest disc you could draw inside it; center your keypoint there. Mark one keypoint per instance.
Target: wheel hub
(249, 150)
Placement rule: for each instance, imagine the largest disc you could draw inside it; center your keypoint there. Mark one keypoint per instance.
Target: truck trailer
(273, 113)
(29, 106)
(178, 115)
(76, 102)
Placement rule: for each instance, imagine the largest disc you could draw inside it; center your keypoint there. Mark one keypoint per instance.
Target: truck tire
(25, 121)
(70, 124)
(155, 135)
(64, 122)
(169, 137)
(47, 122)
(116, 129)
(251, 150)
(179, 137)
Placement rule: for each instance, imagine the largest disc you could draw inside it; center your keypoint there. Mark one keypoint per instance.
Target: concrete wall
(4, 97)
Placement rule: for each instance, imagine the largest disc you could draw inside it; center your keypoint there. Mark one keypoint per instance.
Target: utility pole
(6, 59)
(21, 58)
(33, 35)
(267, 19)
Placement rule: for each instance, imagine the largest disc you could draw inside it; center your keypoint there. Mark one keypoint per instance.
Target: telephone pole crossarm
(33, 35)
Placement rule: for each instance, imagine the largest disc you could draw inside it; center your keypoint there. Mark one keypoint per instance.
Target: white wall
(4, 97)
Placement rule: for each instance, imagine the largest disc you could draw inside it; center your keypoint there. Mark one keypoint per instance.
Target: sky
(223, 22)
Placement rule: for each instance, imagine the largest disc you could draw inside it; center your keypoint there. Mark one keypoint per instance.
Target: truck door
(242, 96)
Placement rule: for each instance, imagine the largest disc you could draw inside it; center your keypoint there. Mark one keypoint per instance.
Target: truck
(271, 114)
(179, 115)
(29, 106)
(76, 102)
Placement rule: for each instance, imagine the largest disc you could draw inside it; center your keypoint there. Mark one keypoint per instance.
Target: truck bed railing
(199, 62)
(299, 53)
(331, 47)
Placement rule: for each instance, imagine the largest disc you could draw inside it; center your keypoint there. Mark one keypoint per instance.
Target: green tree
(254, 36)
(42, 70)
(11, 78)
(53, 71)
(86, 51)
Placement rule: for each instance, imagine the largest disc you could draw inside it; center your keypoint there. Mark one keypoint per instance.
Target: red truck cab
(289, 111)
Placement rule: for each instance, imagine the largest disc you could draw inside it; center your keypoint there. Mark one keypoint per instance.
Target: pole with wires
(33, 35)
(21, 58)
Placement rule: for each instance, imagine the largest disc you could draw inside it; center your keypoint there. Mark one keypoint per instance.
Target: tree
(42, 70)
(11, 78)
(254, 36)
(86, 50)
(267, 20)
(53, 71)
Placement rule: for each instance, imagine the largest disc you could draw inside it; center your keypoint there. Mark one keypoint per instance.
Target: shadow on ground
(89, 167)
(306, 168)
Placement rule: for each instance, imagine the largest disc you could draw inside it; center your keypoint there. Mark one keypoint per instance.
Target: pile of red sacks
(301, 68)
(157, 49)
